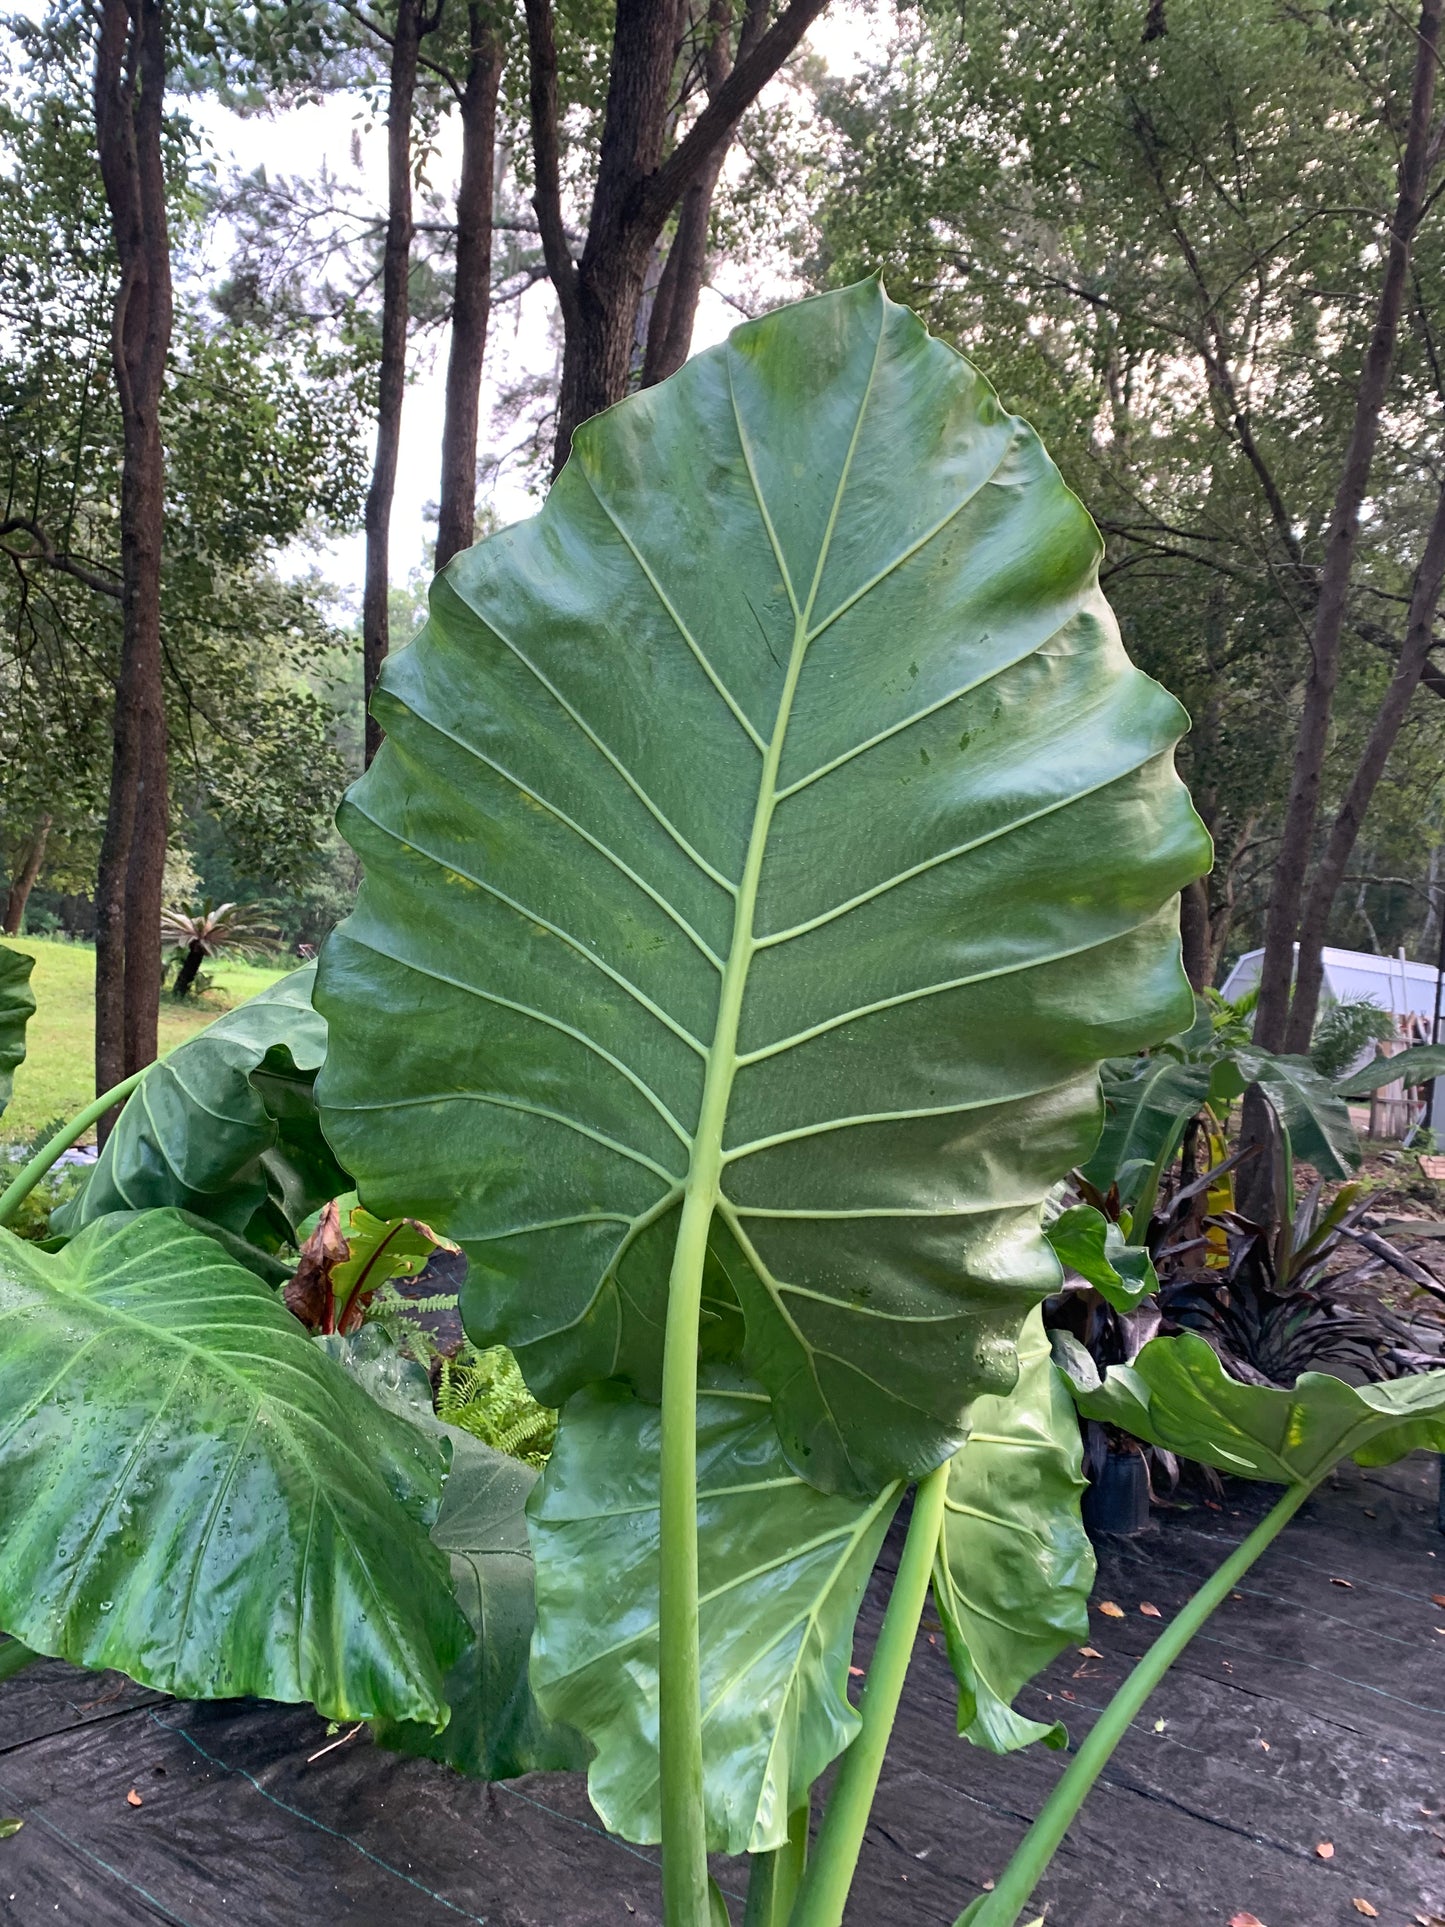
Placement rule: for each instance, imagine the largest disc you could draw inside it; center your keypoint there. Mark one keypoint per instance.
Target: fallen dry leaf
(1348, 1584)
(1245, 1920)
(1364, 1907)
(1065, 1694)
(133, 1799)
(1438, 1598)
(1326, 1849)
(1090, 1652)
(855, 1672)
(1150, 1612)
(1263, 1743)
(1110, 1610)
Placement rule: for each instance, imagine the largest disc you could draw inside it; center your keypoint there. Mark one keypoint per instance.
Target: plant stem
(1002, 1907)
(773, 1877)
(830, 1871)
(14, 1658)
(685, 1900)
(684, 1841)
(35, 1170)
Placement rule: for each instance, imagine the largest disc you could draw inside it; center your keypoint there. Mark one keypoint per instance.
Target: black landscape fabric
(1310, 1712)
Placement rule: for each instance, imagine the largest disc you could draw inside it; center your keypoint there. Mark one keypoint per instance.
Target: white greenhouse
(1405, 989)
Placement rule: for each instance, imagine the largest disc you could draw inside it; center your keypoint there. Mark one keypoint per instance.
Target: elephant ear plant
(728, 981)
(770, 841)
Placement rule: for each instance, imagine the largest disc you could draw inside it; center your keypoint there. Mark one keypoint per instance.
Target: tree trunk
(597, 348)
(471, 307)
(190, 968)
(1194, 934)
(1254, 1177)
(391, 378)
(636, 190)
(674, 311)
(23, 882)
(1296, 842)
(130, 74)
(1325, 884)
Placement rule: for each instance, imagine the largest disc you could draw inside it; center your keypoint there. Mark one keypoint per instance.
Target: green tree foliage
(263, 443)
(1169, 241)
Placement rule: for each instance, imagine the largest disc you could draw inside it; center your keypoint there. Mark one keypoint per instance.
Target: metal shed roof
(1394, 984)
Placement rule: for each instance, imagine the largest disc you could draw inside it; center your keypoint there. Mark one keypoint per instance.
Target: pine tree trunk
(130, 74)
(471, 307)
(1302, 808)
(23, 882)
(1325, 884)
(674, 312)
(636, 189)
(1194, 934)
(391, 378)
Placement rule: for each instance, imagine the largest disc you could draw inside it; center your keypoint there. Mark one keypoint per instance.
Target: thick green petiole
(684, 1842)
(773, 1878)
(1002, 1907)
(35, 1170)
(830, 1871)
(14, 1658)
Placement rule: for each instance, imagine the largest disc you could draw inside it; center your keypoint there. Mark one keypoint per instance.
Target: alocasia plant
(17, 1007)
(725, 893)
(1177, 1395)
(226, 1128)
(191, 1492)
(770, 840)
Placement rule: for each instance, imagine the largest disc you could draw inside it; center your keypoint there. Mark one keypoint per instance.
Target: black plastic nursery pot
(1117, 1499)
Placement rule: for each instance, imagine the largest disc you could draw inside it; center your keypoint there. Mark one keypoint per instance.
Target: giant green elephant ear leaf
(1178, 1395)
(781, 1575)
(1413, 1066)
(1309, 1107)
(17, 1007)
(1014, 1566)
(496, 1731)
(775, 818)
(1146, 1107)
(192, 1493)
(226, 1127)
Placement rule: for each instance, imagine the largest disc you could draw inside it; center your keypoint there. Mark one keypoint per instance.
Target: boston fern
(770, 841)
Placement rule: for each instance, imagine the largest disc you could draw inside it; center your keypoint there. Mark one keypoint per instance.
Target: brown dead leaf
(1245, 1920)
(1110, 1610)
(1364, 1907)
(308, 1294)
(1065, 1694)
(1090, 1652)
(1438, 1598)
(855, 1672)
(1150, 1612)
(1263, 1743)
(1326, 1849)
(1348, 1584)
(133, 1799)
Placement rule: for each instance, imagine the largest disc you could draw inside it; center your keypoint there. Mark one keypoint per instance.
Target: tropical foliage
(728, 984)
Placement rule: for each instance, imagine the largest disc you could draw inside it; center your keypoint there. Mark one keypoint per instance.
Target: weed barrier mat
(1311, 1710)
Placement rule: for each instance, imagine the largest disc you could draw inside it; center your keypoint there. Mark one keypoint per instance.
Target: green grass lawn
(57, 1077)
